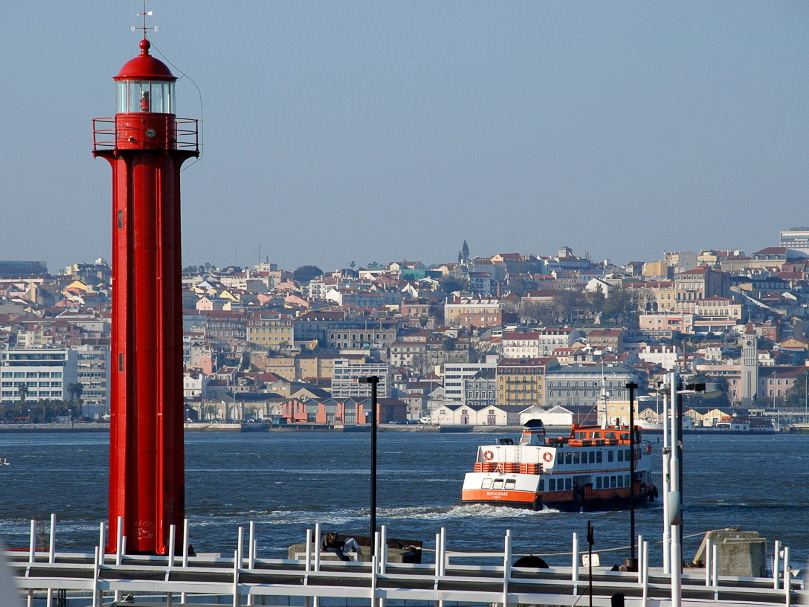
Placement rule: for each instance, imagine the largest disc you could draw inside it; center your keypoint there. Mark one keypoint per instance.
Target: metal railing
(245, 579)
(185, 130)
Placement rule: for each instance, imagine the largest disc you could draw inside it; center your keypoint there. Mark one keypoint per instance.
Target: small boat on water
(588, 470)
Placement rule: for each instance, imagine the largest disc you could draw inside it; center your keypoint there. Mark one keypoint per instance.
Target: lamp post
(632, 386)
(374, 381)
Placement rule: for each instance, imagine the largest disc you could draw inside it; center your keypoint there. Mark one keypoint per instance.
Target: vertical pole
(708, 563)
(240, 546)
(506, 567)
(645, 573)
(32, 542)
(787, 574)
(640, 558)
(632, 386)
(184, 595)
(676, 559)
(51, 554)
(715, 579)
(665, 491)
(776, 564)
(317, 546)
(679, 447)
(250, 555)
(575, 565)
(373, 380)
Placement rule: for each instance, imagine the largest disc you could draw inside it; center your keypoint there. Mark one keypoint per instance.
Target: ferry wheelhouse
(588, 470)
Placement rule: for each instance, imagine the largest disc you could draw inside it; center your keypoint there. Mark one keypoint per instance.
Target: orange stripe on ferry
(494, 495)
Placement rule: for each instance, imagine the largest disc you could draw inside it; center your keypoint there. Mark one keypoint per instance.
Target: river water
(286, 482)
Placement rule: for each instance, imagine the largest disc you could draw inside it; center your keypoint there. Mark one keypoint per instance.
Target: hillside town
(479, 341)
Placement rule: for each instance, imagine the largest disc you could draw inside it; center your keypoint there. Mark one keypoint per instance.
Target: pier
(51, 579)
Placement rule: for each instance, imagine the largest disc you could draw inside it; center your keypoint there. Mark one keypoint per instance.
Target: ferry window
(620, 481)
(598, 482)
(551, 484)
(612, 482)
(627, 455)
(568, 484)
(510, 483)
(487, 483)
(626, 481)
(609, 455)
(576, 458)
(542, 484)
(592, 457)
(498, 483)
(560, 457)
(568, 457)
(599, 457)
(620, 455)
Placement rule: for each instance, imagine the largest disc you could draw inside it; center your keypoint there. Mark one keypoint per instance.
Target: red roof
(145, 67)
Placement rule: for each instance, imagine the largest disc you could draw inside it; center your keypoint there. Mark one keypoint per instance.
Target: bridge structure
(45, 577)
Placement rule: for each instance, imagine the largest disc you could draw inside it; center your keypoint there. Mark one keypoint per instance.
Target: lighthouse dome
(145, 67)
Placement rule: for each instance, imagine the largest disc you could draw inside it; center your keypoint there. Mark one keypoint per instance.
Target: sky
(379, 131)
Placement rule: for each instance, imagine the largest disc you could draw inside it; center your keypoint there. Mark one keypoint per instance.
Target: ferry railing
(247, 578)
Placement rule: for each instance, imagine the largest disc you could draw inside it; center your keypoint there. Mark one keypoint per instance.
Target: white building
(663, 355)
(467, 415)
(347, 373)
(93, 370)
(46, 373)
(455, 374)
(538, 344)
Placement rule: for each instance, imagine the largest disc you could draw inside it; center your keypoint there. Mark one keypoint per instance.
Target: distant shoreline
(236, 427)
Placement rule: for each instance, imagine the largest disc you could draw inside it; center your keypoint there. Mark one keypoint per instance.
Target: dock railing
(245, 579)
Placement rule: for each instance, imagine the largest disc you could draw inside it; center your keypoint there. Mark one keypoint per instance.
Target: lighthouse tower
(145, 143)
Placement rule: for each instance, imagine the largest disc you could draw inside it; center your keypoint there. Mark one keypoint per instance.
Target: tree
(352, 264)
(75, 391)
(448, 344)
(465, 252)
(796, 395)
(306, 273)
(23, 390)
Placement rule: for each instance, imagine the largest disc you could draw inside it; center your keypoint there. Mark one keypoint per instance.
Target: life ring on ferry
(488, 455)
(547, 456)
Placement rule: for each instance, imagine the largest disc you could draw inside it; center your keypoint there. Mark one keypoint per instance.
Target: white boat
(588, 470)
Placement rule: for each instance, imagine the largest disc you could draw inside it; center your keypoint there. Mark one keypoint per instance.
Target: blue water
(286, 482)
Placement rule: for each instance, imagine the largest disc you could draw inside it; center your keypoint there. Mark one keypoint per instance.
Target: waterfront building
(93, 373)
(347, 373)
(521, 382)
(456, 374)
(581, 385)
(45, 373)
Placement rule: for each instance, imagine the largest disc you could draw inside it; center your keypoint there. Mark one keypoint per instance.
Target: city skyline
(358, 131)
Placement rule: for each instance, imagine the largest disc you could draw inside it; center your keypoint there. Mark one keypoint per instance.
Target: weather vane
(144, 14)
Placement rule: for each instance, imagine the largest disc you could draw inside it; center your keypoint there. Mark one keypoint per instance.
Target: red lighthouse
(146, 145)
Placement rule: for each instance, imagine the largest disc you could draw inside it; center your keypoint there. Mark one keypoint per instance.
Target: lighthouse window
(120, 220)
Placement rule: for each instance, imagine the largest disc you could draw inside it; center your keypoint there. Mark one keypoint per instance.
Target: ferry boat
(589, 470)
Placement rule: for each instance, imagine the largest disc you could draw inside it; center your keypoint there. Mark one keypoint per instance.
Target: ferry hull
(564, 501)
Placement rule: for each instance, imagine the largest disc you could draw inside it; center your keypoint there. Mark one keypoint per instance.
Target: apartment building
(46, 373)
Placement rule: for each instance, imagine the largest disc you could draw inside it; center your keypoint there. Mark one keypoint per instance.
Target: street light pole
(374, 381)
(632, 387)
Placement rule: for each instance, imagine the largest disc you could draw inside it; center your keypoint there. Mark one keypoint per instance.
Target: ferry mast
(146, 144)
